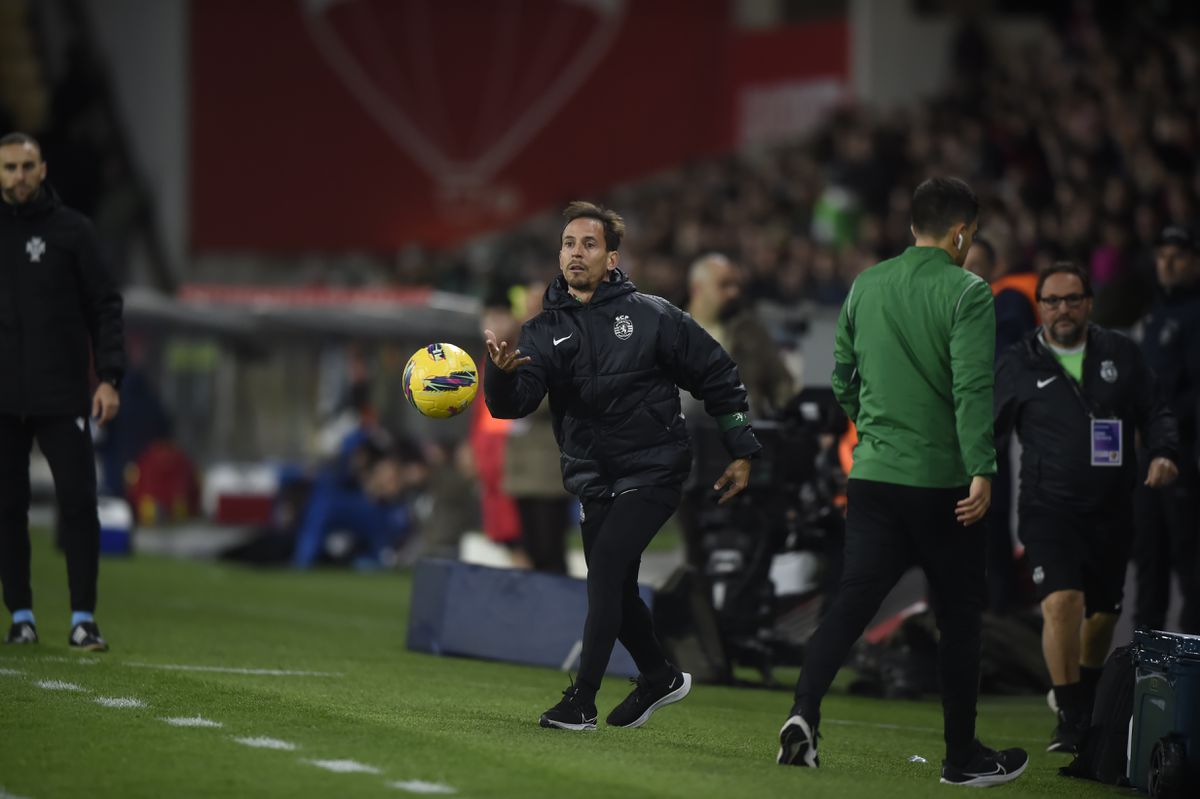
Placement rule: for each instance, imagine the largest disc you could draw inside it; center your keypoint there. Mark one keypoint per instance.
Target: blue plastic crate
(503, 614)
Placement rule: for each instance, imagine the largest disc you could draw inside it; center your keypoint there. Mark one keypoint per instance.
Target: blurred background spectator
(266, 272)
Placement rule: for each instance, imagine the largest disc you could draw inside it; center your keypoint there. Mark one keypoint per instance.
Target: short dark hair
(1065, 268)
(16, 137)
(614, 225)
(939, 203)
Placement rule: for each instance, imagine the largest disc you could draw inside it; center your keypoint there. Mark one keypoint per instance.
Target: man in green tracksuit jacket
(913, 369)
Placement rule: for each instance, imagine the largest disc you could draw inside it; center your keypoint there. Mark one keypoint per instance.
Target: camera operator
(1074, 392)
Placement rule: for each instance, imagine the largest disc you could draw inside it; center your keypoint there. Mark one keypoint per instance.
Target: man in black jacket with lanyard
(613, 360)
(1075, 393)
(58, 306)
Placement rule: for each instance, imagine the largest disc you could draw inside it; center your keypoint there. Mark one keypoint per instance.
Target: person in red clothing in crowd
(489, 441)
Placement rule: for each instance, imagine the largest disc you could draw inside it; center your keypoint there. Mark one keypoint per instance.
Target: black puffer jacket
(1052, 416)
(56, 299)
(613, 368)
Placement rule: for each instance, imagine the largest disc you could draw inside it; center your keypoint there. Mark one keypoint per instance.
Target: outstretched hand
(506, 361)
(736, 476)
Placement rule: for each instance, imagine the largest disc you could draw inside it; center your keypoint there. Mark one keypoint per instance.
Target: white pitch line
(419, 786)
(268, 743)
(6, 795)
(55, 659)
(119, 702)
(879, 725)
(344, 766)
(193, 721)
(11, 672)
(59, 685)
(232, 670)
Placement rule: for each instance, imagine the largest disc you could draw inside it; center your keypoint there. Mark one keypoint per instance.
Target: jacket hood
(558, 295)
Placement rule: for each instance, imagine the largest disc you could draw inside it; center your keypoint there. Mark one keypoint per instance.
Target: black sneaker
(797, 743)
(1068, 735)
(987, 767)
(645, 698)
(22, 632)
(86, 636)
(571, 713)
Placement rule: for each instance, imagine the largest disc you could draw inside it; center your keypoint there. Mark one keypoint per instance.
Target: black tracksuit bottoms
(615, 533)
(66, 441)
(890, 528)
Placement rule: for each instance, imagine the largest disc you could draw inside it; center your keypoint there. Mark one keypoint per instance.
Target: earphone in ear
(958, 241)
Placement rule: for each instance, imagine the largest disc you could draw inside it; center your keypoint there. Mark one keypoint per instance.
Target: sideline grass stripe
(59, 685)
(267, 743)
(418, 786)
(344, 766)
(119, 702)
(192, 721)
(235, 670)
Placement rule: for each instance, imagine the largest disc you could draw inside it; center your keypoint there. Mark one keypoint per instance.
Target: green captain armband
(729, 421)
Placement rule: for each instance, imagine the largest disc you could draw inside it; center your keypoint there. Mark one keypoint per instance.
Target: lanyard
(1046, 353)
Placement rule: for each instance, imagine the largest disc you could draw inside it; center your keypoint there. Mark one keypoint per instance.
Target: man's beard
(1066, 336)
(729, 310)
(581, 281)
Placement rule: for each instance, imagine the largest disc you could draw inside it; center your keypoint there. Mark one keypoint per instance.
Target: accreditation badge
(1106, 442)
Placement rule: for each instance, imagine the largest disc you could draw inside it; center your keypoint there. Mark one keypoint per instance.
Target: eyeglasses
(1072, 300)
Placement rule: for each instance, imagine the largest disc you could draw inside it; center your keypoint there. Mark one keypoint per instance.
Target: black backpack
(1103, 755)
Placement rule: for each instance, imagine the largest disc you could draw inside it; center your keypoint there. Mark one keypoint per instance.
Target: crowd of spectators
(1082, 145)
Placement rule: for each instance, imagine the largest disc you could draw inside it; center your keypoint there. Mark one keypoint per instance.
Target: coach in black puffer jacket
(613, 360)
(57, 305)
(612, 367)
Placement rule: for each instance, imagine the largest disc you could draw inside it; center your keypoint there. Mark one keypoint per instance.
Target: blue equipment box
(503, 614)
(1164, 744)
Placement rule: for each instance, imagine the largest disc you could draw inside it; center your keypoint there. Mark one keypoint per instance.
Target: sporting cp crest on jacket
(623, 327)
(35, 247)
(1108, 371)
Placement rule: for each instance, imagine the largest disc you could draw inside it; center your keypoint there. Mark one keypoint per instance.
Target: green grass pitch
(465, 725)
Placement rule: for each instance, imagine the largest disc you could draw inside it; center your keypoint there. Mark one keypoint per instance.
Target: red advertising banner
(371, 124)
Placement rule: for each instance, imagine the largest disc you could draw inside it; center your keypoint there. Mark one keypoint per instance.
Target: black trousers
(66, 442)
(615, 533)
(1003, 595)
(1167, 521)
(890, 528)
(544, 531)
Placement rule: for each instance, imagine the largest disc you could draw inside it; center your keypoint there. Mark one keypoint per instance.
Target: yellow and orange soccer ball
(440, 380)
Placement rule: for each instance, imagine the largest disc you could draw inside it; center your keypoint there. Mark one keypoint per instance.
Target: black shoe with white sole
(86, 636)
(987, 767)
(1068, 735)
(572, 713)
(22, 632)
(797, 743)
(646, 698)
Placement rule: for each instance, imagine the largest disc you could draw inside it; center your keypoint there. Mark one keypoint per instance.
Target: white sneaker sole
(810, 757)
(669, 699)
(560, 725)
(989, 781)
